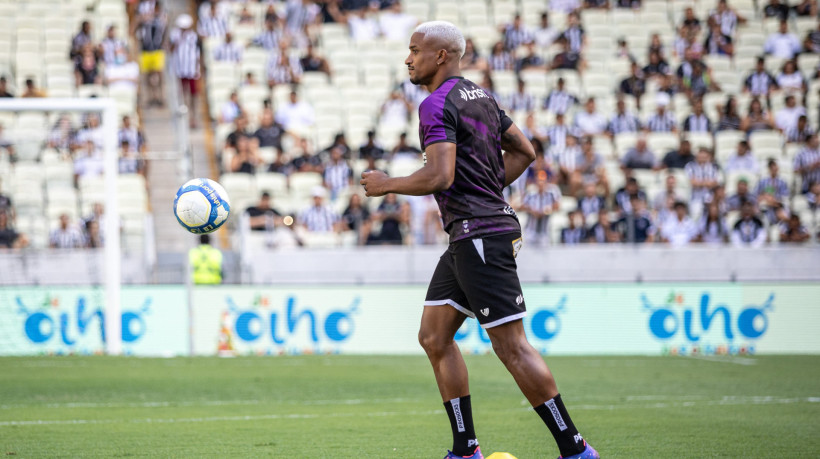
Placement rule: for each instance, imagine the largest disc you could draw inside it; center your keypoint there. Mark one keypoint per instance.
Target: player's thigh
(439, 326)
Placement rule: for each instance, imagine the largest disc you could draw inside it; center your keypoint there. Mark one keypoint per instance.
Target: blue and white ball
(202, 206)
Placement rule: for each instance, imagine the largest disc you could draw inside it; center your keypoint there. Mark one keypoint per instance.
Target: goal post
(112, 249)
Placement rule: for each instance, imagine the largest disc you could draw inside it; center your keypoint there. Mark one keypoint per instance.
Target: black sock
(555, 416)
(460, 412)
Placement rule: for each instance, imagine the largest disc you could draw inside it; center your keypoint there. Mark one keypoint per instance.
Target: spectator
(246, 157)
(544, 35)
(703, 175)
(212, 23)
(757, 119)
(624, 196)
(9, 238)
(356, 218)
(185, 46)
(772, 190)
(634, 85)
(794, 231)
(92, 236)
(533, 131)
(812, 42)
(727, 17)
(591, 203)
(240, 129)
(472, 59)
(567, 59)
(110, 45)
(395, 112)
(363, 24)
(575, 233)
(807, 163)
(564, 6)
(269, 133)
(791, 80)
(262, 216)
(31, 90)
(656, 46)
(741, 196)
(665, 200)
(603, 231)
(639, 157)
(296, 114)
(743, 160)
(521, 100)
(4, 90)
(230, 110)
(66, 236)
(667, 84)
(557, 135)
(690, 20)
(656, 67)
(589, 168)
(205, 262)
(123, 73)
(319, 218)
(559, 100)
(500, 58)
(539, 205)
(339, 141)
(130, 161)
(338, 176)
(283, 67)
(131, 133)
(717, 43)
(488, 85)
(622, 120)
(567, 161)
(801, 132)
(279, 164)
(516, 34)
(805, 8)
(7, 145)
(6, 206)
(81, 40)
(540, 166)
(371, 149)
(786, 118)
(679, 229)
(392, 214)
(151, 35)
(749, 230)
(813, 197)
(699, 82)
(575, 36)
(636, 225)
(697, 121)
(269, 38)
(312, 62)
(775, 9)
(92, 132)
(395, 24)
(86, 70)
(662, 120)
(403, 149)
(678, 159)
(782, 44)
(712, 226)
(531, 61)
(228, 51)
(589, 121)
(306, 161)
(760, 83)
(729, 117)
(250, 80)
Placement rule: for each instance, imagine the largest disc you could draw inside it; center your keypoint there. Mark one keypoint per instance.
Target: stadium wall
(563, 319)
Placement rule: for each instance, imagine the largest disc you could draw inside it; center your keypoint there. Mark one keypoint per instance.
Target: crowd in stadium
(707, 134)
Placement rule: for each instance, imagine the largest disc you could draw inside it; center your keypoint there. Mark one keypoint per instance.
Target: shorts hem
(452, 303)
(504, 320)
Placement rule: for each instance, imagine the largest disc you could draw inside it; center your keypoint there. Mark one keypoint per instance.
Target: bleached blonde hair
(445, 31)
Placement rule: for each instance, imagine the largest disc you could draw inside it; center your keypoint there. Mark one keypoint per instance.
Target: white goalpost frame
(112, 249)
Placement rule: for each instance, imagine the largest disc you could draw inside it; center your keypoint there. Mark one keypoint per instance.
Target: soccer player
(463, 132)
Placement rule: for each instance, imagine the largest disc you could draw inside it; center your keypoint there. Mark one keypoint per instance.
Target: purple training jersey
(460, 112)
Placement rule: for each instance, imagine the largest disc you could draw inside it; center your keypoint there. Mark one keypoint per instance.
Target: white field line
(726, 359)
(673, 402)
(166, 404)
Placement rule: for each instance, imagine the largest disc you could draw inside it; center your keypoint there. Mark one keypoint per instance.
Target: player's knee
(433, 343)
(510, 351)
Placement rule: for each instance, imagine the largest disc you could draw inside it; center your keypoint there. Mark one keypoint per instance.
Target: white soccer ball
(201, 206)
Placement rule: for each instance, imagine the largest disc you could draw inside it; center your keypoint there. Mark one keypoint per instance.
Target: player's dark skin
(430, 63)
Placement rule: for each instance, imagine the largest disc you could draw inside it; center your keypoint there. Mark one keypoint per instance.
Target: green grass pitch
(383, 407)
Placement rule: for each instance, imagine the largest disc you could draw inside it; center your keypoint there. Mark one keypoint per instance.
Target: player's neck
(443, 75)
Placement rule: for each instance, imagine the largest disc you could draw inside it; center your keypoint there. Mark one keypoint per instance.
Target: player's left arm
(437, 175)
(518, 153)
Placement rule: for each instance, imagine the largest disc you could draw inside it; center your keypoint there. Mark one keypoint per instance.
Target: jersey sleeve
(438, 122)
(506, 121)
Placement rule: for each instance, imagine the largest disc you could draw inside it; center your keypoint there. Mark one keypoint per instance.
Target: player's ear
(442, 56)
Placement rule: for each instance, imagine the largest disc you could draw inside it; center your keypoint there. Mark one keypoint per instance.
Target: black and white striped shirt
(575, 38)
(706, 171)
(500, 61)
(69, 238)
(591, 206)
(541, 202)
(695, 123)
(186, 53)
(727, 21)
(557, 135)
(661, 122)
(228, 52)
(151, 33)
(337, 177)
(283, 69)
(568, 157)
(759, 83)
(625, 122)
(319, 218)
(133, 136)
(794, 134)
(519, 101)
(146, 7)
(110, 46)
(212, 26)
(805, 159)
(269, 39)
(774, 186)
(559, 101)
(513, 38)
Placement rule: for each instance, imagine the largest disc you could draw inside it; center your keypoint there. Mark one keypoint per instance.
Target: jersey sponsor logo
(485, 311)
(509, 211)
(562, 426)
(519, 299)
(465, 225)
(473, 94)
(516, 246)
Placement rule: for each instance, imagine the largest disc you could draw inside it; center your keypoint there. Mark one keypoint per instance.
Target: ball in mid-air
(201, 206)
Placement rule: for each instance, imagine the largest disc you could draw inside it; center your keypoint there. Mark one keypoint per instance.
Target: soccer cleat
(476, 455)
(588, 453)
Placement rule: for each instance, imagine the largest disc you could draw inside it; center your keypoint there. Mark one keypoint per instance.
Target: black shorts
(479, 278)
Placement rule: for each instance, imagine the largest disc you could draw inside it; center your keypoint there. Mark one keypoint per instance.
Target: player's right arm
(437, 175)
(518, 153)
